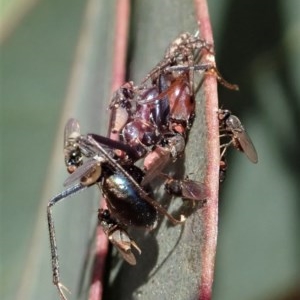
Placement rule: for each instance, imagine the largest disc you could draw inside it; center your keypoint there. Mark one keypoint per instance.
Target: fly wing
(121, 240)
(72, 131)
(193, 190)
(84, 170)
(247, 145)
(126, 254)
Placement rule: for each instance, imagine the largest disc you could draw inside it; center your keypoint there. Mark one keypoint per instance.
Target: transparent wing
(247, 145)
(126, 254)
(193, 190)
(72, 131)
(123, 243)
(86, 169)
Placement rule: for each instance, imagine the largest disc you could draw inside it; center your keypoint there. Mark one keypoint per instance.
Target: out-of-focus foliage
(258, 248)
(54, 66)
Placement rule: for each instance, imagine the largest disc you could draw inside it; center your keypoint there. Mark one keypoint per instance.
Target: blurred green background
(56, 63)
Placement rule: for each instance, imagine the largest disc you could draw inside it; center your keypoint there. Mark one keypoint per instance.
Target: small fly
(187, 189)
(231, 126)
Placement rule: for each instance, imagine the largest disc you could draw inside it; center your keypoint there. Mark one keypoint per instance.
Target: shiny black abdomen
(125, 202)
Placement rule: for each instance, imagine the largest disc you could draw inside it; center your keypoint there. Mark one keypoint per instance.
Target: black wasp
(128, 203)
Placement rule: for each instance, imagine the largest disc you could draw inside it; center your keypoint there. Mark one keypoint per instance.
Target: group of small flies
(151, 122)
